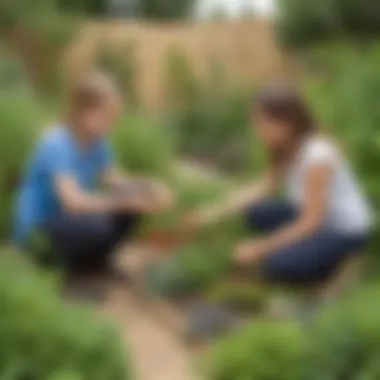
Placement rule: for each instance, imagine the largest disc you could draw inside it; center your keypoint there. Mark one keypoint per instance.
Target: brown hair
(91, 91)
(285, 103)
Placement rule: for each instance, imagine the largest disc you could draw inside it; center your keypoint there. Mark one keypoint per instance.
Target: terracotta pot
(165, 239)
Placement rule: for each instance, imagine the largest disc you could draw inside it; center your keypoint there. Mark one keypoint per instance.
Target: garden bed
(193, 314)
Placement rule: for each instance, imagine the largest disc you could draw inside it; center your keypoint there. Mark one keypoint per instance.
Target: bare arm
(75, 200)
(160, 196)
(240, 199)
(113, 177)
(317, 184)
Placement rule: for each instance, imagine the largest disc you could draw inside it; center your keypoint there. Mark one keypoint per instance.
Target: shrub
(182, 85)
(38, 32)
(43, 338)
(304, 23)
(13, 73)
(191, 269)
(143, 146)
(20, 120)
(342, 343)
(215, 128)
(262, 351)
(345, 343)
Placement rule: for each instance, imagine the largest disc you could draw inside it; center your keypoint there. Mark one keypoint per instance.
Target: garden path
(155, 352)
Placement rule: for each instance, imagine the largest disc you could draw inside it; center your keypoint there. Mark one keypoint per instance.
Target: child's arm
(151, 191)
(236, 202)
(76, 200)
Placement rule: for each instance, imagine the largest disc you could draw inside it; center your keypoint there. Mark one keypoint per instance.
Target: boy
(60, 194)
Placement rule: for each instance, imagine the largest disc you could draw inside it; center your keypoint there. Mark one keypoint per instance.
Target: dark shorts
(86, 242)
(310, 260)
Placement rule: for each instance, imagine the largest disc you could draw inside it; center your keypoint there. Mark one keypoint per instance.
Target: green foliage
(43, 338)
(20, 120)
(263, 351)
(210, 117)
(304, 23)
(143, 146)
(244, 296)
(215, 128)
(196, 266)
(13, 13)
(342, 343)
(191, 269)
(13, 73)
(91, 7)
(38, 32)
(345, 343)
(167, 10)
(181, 82)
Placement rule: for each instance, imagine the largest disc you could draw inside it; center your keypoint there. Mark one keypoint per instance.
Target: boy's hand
(144, 195)
(248, 252)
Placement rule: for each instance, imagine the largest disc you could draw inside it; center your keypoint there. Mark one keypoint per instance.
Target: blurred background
(188, 70)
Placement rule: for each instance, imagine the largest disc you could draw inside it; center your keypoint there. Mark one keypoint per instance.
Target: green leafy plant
(345, 341)
(261, 351)
(20, 120)
(46, 339)
(143, 145)
(243, 296)
(214, 128)
(302, 24)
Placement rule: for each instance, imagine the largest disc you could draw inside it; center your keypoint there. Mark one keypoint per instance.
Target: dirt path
(155, 353)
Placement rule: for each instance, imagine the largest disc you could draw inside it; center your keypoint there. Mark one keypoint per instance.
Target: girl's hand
(248, 252)
(163, 196)
(200, 219)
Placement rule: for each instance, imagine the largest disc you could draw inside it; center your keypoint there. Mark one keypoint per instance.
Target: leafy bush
(38, 32)
(43, 338)
(181, 85)
(143, 146)
(345, 343)
(20, 120)
(13, 73)
(191, 269)
(215, 128)
(304, 23)
(263, 351)
(243, 296)
(210, 117)
(342, 343)
(194, 267)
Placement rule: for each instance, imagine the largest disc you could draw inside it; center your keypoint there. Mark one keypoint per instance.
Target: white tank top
(347, 208)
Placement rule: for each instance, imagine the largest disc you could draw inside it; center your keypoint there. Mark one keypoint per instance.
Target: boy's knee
(97, 228)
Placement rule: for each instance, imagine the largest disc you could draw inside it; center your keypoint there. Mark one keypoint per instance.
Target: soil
(155, 351)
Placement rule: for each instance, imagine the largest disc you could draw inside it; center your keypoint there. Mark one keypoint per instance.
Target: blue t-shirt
(58, 152)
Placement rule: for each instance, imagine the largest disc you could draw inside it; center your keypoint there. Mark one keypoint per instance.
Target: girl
(61, 195)
(325, 217)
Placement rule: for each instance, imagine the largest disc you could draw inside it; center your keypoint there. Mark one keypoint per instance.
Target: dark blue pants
(86, 242)
(310, 260)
